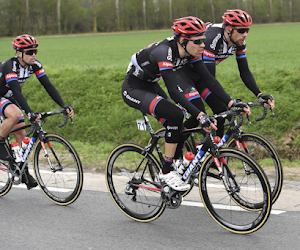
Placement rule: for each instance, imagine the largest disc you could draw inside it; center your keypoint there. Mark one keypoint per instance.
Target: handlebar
(44, 115)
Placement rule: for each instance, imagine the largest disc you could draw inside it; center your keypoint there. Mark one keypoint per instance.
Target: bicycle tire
(62, 181)
(131, 188)
(231, 209)
(5, 182)
(187, 146)
(261, 149)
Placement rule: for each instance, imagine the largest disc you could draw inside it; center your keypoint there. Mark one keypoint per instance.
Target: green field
(88, 71)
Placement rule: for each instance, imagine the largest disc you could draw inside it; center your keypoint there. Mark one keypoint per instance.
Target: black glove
(265, 98)
(204, 121)
(68, 107)
(32, 116)
(238, 104)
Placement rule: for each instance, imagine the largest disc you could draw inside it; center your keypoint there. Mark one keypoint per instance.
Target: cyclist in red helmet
(223, 40)
(14, 72)
(162, 60)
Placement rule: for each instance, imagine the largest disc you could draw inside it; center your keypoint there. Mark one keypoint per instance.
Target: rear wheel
(133, 182)
(267, 157)
(5, 183)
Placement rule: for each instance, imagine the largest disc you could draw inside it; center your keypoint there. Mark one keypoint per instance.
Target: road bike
(254, 144)
(56, 164)
(234, 189)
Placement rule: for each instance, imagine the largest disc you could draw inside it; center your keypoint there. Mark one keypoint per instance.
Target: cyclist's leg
(12, 115)
(187, 87)
(145, 97)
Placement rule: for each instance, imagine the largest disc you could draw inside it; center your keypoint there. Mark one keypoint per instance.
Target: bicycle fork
(46, 155)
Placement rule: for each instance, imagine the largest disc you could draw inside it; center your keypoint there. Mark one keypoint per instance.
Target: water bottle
(188, 157)
(24, 145)
(15, 148)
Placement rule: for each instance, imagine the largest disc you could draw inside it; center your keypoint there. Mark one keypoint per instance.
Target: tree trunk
(170, 10)
(94, 16)
(27, 17)
(212, 11)
(58, 17)
(271, 11)
(117, 14)
(144, 14)
(291, 10)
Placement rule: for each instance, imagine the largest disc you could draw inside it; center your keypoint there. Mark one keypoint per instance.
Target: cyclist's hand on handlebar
(34, 117)
(70, 110)
(238, 104)
(206, 124)
(269, 99)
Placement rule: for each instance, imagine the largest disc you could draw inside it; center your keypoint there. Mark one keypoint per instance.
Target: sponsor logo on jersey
(172, 127)
(40, 73)
(192, 94)
(169, 57)
(10, 77)
(215, 41)
(165, 65)
(131, 98)
(208, 54)
(145, 63)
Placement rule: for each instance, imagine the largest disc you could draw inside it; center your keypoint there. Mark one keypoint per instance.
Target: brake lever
(248, 117)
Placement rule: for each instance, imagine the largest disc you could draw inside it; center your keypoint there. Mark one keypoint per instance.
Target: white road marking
(236, 208)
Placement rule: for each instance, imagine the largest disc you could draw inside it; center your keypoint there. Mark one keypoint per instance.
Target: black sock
(167, 168)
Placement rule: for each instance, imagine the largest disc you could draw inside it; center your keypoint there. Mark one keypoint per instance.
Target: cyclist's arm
(211, 82)
(171, 78)
(247, 76)
(17, 93)
(52, 91)
(210, 61)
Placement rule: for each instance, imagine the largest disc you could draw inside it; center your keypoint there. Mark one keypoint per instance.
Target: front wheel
(240, 199)
(58, 169)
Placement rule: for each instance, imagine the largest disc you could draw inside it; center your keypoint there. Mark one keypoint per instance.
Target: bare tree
(212, 11)
(170, 10)
(144, 13)
(291, 10)
(58, 17)
(94, 16)
(27, 16)
(271, 11)
(117, 14)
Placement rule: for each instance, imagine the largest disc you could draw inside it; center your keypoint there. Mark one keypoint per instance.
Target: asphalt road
(30, 221)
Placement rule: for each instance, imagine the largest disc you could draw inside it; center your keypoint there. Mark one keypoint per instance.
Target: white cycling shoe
(174, 181)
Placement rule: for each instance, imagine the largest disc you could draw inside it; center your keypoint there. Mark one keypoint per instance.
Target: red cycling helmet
(237, 18)
(24, 42)
(189, 26)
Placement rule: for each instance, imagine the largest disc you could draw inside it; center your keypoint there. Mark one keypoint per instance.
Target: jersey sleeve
(11, 80)
(163, 57)
(44, 80)
(211, 82)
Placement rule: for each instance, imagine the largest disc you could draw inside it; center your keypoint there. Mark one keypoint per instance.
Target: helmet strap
(183, 44)
(25, 64)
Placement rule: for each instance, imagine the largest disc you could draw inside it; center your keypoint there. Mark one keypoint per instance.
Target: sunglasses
(30, 52)
(198, 41)
(243, 30)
